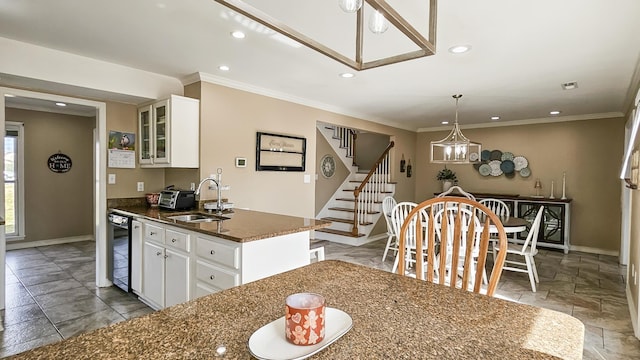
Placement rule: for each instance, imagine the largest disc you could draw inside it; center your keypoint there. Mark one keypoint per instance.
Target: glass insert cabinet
(556, 220)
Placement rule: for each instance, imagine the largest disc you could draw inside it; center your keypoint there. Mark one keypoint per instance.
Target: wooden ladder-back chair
(422, 217)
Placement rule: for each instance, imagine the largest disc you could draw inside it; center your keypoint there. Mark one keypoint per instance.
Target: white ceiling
(521, 53)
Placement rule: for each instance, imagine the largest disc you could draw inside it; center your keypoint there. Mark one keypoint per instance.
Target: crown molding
(547, 120)
(213, 79)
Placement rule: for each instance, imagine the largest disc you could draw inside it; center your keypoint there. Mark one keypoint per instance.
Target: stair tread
(353, 200)
(339, 232)
(345, 221)
(351, 210)
(360, 182)
(381, 192)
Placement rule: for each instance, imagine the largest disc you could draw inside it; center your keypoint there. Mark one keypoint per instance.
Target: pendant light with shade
(455, 148)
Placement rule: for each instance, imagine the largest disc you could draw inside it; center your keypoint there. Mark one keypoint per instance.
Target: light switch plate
(140, 186)
(112, 179)
(307, 179)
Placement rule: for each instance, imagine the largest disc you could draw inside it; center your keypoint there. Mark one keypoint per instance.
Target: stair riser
(342, 239)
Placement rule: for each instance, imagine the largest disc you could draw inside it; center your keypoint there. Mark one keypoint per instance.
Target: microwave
(177, 199)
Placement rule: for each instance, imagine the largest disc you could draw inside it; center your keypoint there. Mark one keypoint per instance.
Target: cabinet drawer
(227, 255)
(154, 233)
(177, 239)
(215, 276)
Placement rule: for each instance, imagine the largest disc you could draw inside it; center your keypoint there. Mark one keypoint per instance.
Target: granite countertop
(241, 226)
(394, 317)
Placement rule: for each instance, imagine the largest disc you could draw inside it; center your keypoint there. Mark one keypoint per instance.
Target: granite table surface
(240, 225)
(394, 317)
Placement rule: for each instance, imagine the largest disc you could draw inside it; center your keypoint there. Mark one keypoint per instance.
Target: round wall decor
(59, 163)
(327, 166)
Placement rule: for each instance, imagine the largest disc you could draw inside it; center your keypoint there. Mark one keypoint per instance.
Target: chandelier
(383, 14)
(455, 148)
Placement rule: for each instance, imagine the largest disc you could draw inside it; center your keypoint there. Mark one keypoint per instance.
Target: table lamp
(537, 186)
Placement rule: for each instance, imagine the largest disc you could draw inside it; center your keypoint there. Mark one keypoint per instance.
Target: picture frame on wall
(275, 152)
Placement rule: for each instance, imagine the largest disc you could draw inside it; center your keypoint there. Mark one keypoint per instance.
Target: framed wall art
(280, 152)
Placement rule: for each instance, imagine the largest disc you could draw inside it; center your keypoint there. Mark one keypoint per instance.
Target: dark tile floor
(51, 295)
(589, 287)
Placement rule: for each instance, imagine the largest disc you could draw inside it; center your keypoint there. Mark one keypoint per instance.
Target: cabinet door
(136, 256)
(161, 132)
(176, 278)
(146, 135)
(552, 225)
(153, 274)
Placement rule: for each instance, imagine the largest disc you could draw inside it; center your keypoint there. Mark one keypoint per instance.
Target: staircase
(356, 206)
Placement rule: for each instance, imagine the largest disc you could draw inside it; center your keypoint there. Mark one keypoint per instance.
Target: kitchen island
(173, 261)
(394, 317)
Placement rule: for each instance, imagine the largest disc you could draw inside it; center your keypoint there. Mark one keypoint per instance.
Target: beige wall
(57, 205)
(228, 129)
(124, 117)
(325, 188)
(589, 151)
(369, 147)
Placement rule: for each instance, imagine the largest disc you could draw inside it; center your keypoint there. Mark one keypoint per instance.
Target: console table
(555, 227)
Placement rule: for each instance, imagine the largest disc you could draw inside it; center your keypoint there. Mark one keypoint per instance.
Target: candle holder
(564, 186)
(552, 196)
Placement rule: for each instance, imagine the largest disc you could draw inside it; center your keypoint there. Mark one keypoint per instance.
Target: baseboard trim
(633, 312)
(21, 244)
(593, 250)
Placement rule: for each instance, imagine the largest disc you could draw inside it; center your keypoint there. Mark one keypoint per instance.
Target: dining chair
(388, 203)
(457, 189)
(398, 215)
(498, 206)
(461, 272)
(527, 250)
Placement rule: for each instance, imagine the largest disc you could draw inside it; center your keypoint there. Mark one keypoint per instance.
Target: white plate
(495, 167)
(269, 342)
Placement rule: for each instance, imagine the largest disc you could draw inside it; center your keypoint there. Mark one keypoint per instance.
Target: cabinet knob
(212, 277)
(174, 240)
(213, 252)
(159, 253)
(166, 256)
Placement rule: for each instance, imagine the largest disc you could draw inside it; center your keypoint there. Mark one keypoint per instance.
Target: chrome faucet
(219, 203)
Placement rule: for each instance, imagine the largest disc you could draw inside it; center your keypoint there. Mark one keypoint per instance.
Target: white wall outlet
(192, 186)
(306, 179)
(112, 179)
(140, 186)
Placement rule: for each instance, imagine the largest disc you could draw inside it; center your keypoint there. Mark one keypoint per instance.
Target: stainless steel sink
(197, 218)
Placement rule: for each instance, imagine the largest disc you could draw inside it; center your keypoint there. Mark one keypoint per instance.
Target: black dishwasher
(119, 250)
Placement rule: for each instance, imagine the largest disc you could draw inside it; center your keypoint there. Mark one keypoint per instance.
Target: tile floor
(589, 287)
(51, 295)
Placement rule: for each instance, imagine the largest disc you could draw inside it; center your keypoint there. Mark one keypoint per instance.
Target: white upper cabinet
(169, 132)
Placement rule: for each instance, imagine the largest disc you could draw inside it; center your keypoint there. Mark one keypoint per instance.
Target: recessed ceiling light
(495, 118)
(224, 68)
(459, 49)
(61, 104)
(9, 95)
(570, 85)
(238, 34)
(346, 75)
(554, 112)
(445, 123)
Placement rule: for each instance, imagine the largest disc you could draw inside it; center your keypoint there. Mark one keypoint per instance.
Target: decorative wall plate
(495, 168)
(520, 162)
(525, 172)
(474, 156)
(485, 155)
(507, 166)
(484, 170)
(496, 155)
(507, 156)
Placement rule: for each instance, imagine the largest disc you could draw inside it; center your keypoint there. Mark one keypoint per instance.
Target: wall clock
(327, 166)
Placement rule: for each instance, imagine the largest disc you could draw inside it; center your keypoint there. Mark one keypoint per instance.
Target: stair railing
(347, 139)
(371, 189)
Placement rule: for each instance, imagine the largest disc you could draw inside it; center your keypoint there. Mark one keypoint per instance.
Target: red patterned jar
(304, 318)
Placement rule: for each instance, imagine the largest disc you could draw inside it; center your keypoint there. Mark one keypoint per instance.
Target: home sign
(59, 163)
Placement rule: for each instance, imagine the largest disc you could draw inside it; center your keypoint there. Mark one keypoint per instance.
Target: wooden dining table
(393, 317)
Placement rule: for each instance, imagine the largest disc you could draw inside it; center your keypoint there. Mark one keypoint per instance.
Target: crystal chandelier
(455, 148)
(382, 16)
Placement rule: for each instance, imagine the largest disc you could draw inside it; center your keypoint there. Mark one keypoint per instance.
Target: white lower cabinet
(166, 275)
(136, 257)
(217, 264)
